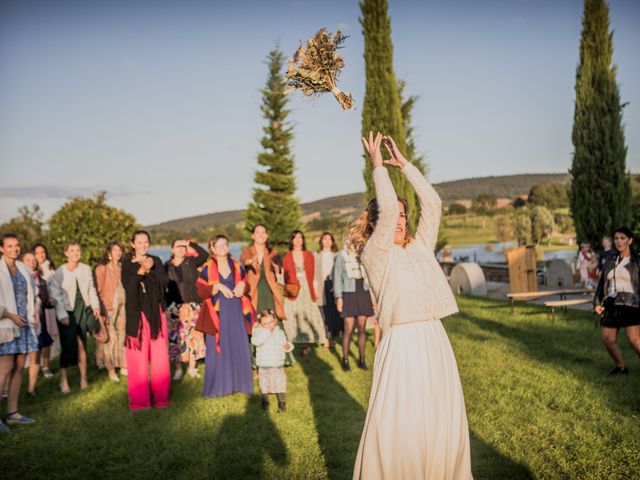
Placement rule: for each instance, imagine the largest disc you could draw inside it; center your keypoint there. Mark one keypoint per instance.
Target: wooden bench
(551, 306)
(525, 296)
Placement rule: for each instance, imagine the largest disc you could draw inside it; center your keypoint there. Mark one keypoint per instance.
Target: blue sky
(157, 102)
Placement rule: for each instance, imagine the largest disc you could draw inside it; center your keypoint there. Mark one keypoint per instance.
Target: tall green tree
(542, 224)
(92, 223)
(600, 195)
(406, 109)
(382, 109)
(274, 203)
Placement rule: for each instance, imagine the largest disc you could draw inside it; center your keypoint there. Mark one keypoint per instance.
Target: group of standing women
(325, 293)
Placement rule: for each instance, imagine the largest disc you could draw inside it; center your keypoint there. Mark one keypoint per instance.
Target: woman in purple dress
(228, 316)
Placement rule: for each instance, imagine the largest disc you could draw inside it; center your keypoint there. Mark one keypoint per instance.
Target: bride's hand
(397, 159)
(372, 146)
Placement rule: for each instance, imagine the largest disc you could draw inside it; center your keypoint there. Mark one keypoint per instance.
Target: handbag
(624, 299)
(627, 299)
(291, 290)
(101, 334)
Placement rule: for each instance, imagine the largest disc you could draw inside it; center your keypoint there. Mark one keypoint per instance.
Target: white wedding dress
(416, 425)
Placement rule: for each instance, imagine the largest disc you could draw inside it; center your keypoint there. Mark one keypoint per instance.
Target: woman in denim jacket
(353, 300)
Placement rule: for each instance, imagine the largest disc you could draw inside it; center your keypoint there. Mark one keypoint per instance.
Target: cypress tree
(382, 110)
(406, 109)
(274, 203)
(600, 195)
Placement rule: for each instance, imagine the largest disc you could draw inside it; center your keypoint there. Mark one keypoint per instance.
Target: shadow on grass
(237, 456)
(488, 463)
(567, 347)
(339, 433)
(339, 418)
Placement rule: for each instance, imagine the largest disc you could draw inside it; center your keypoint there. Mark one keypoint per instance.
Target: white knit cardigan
(408, 282)
(63, 288)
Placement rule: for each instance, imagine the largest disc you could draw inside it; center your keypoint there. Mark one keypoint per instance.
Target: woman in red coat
(304, 323)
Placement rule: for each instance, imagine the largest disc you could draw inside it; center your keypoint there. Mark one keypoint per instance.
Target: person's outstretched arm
(430, 203)
(388, 209)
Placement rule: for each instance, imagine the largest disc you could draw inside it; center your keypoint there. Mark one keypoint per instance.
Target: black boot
(362, 364)
(265, 402)
(345, 365)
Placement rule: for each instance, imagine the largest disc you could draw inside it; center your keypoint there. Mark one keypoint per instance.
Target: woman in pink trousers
(146, 341)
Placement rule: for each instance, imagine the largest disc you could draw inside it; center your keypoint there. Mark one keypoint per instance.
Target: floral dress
(27, 341)
(304, 323)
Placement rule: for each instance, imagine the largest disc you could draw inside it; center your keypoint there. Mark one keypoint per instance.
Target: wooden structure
(551, 306)
(526, 296)
(523, 276)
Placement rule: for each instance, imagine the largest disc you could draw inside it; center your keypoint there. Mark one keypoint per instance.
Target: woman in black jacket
(186, 343)
(617, 300)
(144, 281)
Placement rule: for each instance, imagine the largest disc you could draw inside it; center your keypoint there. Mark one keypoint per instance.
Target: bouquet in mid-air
(316, 65)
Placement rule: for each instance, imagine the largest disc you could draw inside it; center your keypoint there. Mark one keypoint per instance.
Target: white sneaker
(178, 375)
(193, 373)
(123, 372)
(114, 378)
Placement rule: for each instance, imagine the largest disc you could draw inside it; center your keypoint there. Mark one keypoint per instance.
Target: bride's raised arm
(430, 202)
(388, 209)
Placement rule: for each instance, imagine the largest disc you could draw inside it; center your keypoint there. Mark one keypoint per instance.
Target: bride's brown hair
(359, 231)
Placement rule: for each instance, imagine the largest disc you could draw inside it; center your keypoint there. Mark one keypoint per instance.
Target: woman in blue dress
(227, 320)
(18, 325)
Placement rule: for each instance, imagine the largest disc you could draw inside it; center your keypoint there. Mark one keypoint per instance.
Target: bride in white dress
(416, 425)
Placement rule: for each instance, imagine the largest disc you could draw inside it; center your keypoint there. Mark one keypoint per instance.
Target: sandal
(9, 420)
(65, 388)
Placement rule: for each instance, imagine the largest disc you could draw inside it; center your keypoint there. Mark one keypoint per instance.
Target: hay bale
(468, 279)
(559, 274)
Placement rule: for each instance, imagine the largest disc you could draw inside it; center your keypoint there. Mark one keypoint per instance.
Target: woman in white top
(325, 258)
(617, 300)
(77, 308)
(416, 425)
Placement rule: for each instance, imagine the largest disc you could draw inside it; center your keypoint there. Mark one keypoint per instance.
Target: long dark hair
(334, 245)
(52, 264)
(293, 235)
(627, 232)
(267, 244)
(132, 252)
(107, 251)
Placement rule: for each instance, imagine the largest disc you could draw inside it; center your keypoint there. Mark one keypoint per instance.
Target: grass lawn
(539, 401)
(463, 230)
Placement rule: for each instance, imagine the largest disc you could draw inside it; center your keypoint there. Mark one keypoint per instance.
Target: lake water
(165, 252)
(472, 253)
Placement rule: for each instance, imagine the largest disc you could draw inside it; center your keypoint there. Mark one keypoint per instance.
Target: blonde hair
(359, 231)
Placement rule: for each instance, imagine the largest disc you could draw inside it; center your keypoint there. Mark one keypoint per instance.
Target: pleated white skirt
(416, 425)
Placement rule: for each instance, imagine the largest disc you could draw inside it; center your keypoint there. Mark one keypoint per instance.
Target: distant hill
(508, 186)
